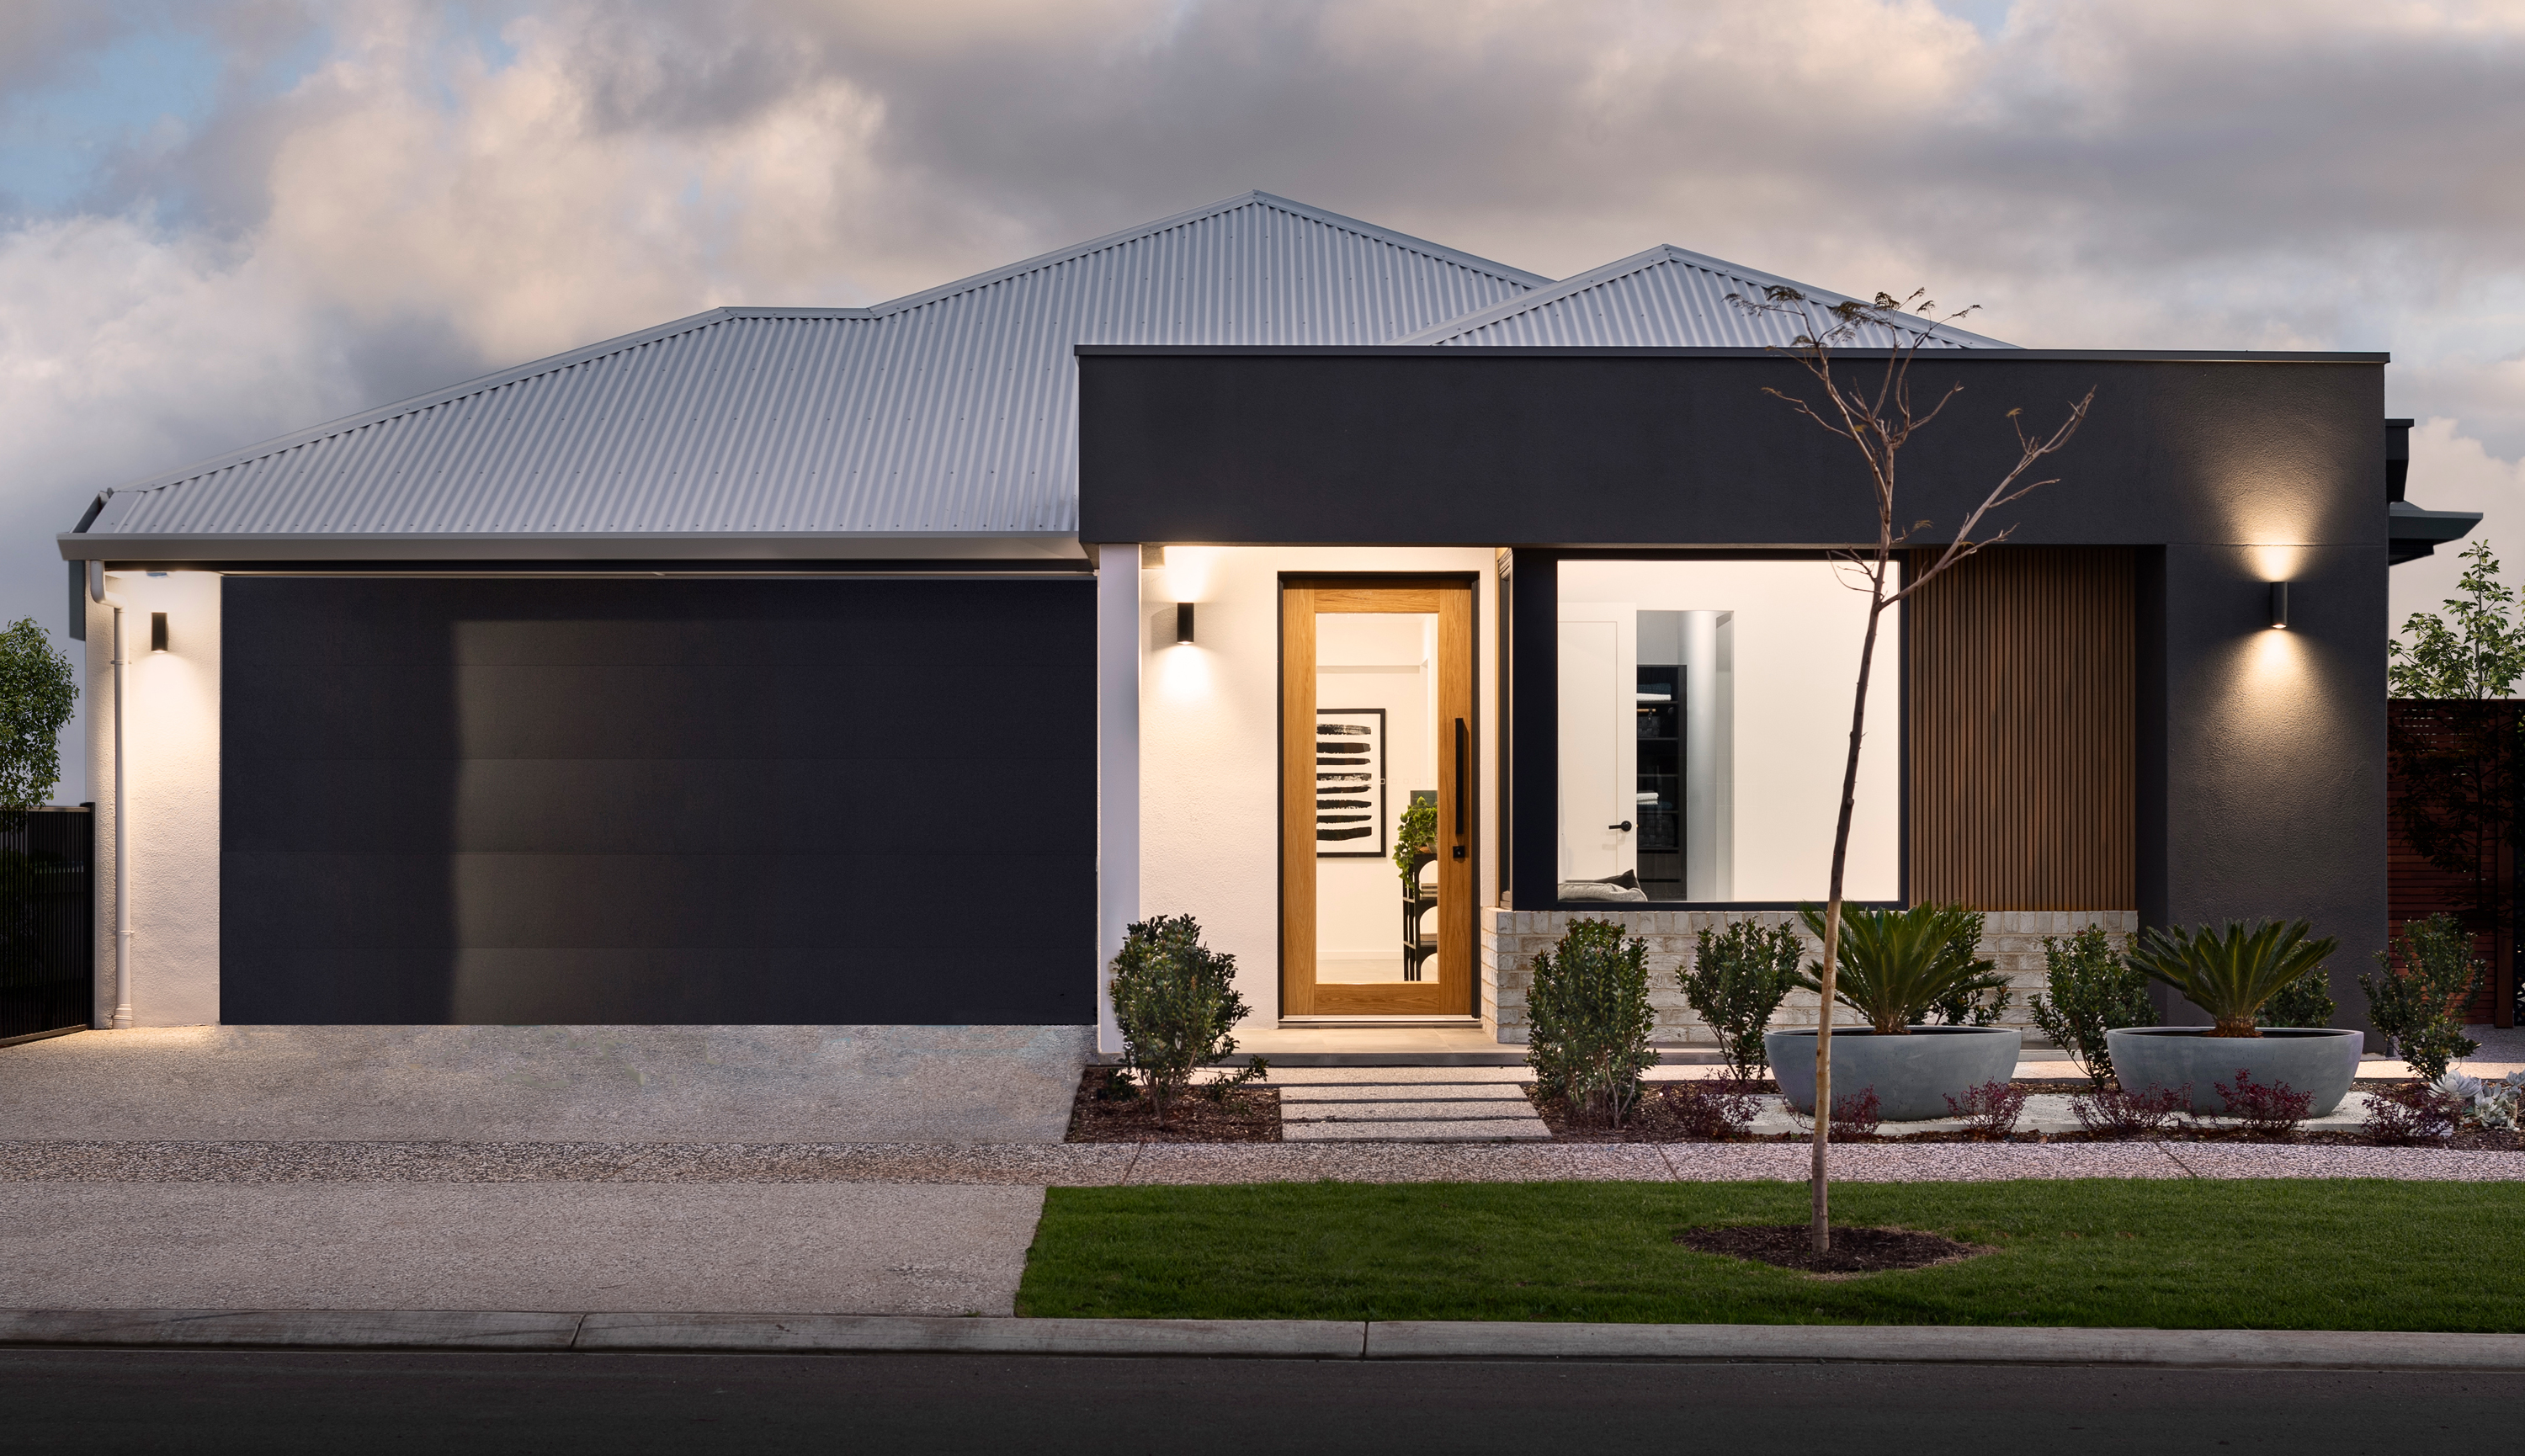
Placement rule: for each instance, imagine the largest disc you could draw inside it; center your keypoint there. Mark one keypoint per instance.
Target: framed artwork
(1349, 783)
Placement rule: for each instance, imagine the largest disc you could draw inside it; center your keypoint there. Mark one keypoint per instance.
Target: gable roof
(942, 423)
(1663, 297)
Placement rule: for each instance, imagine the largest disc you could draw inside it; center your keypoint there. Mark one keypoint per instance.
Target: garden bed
(1248, 1113)
(1656, 1120)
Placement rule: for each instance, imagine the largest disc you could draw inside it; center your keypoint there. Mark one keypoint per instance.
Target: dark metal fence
(47, 920)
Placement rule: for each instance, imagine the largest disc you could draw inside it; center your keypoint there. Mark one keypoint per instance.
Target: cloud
(383, 195)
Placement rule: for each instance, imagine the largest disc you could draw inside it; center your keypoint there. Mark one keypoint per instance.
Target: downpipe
(122, 1019)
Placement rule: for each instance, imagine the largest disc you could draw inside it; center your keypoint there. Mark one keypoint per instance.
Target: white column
(1118, 633)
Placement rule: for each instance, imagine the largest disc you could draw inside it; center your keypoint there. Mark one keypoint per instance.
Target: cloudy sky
(225, 219)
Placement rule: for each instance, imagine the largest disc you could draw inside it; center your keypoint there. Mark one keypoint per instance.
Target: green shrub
(2303, 1002)
(1589, 1016)
(1971, 1005)
(2231, 970)
(2424, 982)
(2094, 990)
(37, 692)
(1175, 1000)
(1739, 975)
(1896, 964)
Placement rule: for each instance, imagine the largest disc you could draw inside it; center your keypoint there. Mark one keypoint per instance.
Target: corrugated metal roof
(947, 413)
(1664, 298)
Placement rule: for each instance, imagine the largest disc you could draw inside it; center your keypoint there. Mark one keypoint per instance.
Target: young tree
(2477, 650)
(1879, 418)
(37, 691)
(2453, 742)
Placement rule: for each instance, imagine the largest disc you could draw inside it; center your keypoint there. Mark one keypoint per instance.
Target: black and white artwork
(1349, 783)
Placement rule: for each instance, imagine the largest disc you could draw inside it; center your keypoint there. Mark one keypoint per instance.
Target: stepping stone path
(1405, 1104)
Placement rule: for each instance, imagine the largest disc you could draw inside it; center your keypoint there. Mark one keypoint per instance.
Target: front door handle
(1624, 827)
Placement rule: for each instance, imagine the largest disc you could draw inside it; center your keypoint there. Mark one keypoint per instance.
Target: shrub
(1858, 1115)
(2275, 1108)
(1896, 964)
(1590, 1020)
(2411, 1113)
(2417, 997)
(1175, 1000)
(1737, 977)
(1971, 1005)
(1714, 1107)
(2231, 970)
(2094, 990)
(2303, 1002)
(2111, 1112)
(1990, 1110)
(2498, 1104)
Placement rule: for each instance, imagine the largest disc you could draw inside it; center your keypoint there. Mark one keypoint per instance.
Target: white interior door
(1598, 739)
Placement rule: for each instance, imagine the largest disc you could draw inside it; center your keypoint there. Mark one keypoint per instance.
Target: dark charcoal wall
(1499, 447)
(2260, 754)
(672, 802)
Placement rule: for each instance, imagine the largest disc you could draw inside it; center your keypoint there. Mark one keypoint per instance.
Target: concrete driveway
(466, 1231)
(954, 1085)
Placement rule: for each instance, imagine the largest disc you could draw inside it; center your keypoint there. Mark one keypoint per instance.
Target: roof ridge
(1255, 197)
(891, 308)
(1644, 260)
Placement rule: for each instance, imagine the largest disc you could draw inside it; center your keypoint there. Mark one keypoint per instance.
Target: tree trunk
(1820, 1178)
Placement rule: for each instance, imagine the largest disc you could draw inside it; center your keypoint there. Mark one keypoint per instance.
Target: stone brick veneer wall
(2014, 939)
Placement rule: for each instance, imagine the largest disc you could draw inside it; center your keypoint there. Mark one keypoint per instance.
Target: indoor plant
(1894, 965)
(2230, 972)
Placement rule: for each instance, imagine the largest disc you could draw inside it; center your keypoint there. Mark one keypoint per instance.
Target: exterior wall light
(2279, 606)
(157, 632)
(1183, 622)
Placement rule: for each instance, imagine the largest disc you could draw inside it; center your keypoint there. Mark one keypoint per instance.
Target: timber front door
(1376, 823)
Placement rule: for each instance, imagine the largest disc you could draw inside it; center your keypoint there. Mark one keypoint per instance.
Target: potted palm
(2229, 972)
(1894, 965)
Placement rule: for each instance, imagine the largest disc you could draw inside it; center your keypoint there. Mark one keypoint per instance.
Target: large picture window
(1704, 719)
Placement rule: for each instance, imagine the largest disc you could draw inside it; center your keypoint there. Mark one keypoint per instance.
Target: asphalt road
(187, 1401)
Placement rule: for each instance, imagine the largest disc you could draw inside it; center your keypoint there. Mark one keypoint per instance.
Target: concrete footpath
(1283, 1340)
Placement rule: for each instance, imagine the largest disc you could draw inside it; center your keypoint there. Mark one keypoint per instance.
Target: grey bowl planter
(1913, 1075)
(2322, 1060)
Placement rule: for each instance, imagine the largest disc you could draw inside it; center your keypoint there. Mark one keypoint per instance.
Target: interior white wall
(1209, 831)
(1797, 632)
(171, 727)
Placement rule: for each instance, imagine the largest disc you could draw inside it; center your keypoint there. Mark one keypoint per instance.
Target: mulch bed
(1244, 1115)
(1854, 1250)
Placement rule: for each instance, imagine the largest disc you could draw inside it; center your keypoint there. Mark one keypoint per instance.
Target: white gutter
(121, 1020)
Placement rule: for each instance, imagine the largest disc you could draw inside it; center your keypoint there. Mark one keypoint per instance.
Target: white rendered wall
(1118, 653)
(1796, 638)
(1209, 828)
(171, 726)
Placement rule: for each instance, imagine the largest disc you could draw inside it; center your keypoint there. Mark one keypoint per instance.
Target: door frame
(1460, 923)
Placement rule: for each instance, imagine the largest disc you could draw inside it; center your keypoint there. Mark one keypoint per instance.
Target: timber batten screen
(2021, 688)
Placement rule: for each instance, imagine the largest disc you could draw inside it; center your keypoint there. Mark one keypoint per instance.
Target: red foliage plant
(1990, 1110)
(1858, 1115)
(2414, 1112)
(1714, 1107)
(2111, 1112)
(2275, 1108)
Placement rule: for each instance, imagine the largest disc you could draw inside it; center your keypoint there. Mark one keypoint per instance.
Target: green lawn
(2305, 1255)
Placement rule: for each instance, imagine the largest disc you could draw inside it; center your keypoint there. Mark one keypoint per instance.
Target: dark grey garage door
(806, 801)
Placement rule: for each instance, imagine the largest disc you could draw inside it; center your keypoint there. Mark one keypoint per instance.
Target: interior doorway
(1376, 720)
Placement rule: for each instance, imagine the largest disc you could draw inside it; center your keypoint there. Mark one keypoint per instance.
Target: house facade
(880, 665)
